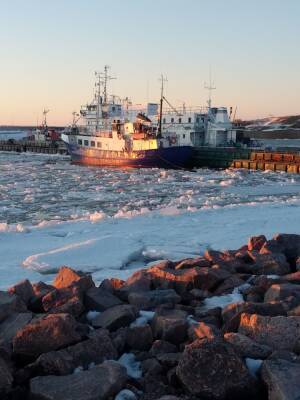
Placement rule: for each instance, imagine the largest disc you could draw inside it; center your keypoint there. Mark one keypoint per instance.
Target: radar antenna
(163, 80)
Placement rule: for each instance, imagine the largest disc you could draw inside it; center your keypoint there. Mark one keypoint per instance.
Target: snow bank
(132, 366)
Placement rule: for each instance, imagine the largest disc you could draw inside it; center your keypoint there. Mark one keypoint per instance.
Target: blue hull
(170, 157)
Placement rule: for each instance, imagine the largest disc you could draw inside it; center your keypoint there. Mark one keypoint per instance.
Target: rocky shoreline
(225, 325)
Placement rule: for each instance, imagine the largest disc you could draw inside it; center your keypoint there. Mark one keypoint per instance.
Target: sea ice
(132, 366)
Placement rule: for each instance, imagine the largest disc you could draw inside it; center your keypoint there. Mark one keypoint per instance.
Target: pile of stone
(225, 325)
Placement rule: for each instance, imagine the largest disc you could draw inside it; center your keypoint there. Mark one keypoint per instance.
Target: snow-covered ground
(111, 222)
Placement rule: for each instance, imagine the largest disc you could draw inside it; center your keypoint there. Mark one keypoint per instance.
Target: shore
(223, 325)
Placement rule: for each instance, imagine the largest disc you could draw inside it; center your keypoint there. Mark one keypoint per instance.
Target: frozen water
(92, 315)
(111, 222)
(132, 366)
(226, 299)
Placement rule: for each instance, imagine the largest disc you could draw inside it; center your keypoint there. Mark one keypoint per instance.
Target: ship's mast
(102, 79)
(209, 87)
(45, 112)
(162, 79)
(98, 97)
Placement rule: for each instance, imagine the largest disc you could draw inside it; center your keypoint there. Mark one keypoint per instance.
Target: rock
(212, 369)
(290, 244)
(170, 325)
(276, 332)
(271, 247)
(119, 338)
(65, 300)
(203, 330)
(6, 378)
(115, 317)
(151, 366)
(282, 291)
(215, 257)
(193, 262)
(294, 277)
(282, 379)
(228, 285)
(10, 303)
(139, 337)
(297, 263)
(23, 289)
(101, 382)
(140, 281)
(284, 355)
(100, 299)
(151, 299)
(51, 332)
(256, 242)
(161, 347)
(67, 277)
(169, 360)
(269, 264)
(183, 280)
(247, 347)
(231, 314)
(10, 326)
(200, 294)
(96, 349)
(40, 290)
(169, 397)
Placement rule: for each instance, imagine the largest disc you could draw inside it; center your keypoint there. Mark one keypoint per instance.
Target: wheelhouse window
(179, 120)
(183, 136)
(190, 120)
(80, 142)
(86, 142)
(164, 120)
(99, 144)
(93, 144)
(172, 120)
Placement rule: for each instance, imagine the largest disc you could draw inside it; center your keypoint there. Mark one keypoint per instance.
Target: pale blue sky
(50, 50)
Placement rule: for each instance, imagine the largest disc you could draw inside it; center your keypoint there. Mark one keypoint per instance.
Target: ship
(108, 137)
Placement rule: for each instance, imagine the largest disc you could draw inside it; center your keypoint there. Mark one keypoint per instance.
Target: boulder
(290, 244)
(247, 347)
(96, 349)
(6, 378)
(279, 332)
(151, 299)
(115, 317)
(99, 383)
(170, 325)
(67, 277)
(256, 242)
(51, 332)
(294, 277)
(228, 285)
(40, 290)
(100, 299)
(282, 291)
(23, 289)
(297, 263)
(282, 379)
(193, 262)
(211, 369)
(203, 330)
(12, 324)
(65, 300)
(161, 347)
(140, 281)
(10, 303)
(169, 360)
(139, 337)
(269, 264)
(187, 279)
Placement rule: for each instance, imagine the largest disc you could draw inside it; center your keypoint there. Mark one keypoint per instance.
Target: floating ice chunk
(253, 365)
(91, 365)
(132, 366)
(143, 319)
(125, 394)
(92, 315)
(96, 216)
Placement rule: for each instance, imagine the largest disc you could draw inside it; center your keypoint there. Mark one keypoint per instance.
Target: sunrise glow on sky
(50, 50)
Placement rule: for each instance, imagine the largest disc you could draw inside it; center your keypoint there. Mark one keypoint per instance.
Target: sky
(51, 49)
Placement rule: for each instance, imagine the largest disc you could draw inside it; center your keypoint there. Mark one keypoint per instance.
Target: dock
(270, 161)
(33, 147)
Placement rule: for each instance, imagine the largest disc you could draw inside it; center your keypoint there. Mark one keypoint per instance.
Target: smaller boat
(109, 138)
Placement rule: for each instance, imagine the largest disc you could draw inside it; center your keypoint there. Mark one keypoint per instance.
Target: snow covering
(143, 319)
(222, 301)
(132, 366)
(253, 365)
(126, 394)
(113, 222)
(92, 315)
